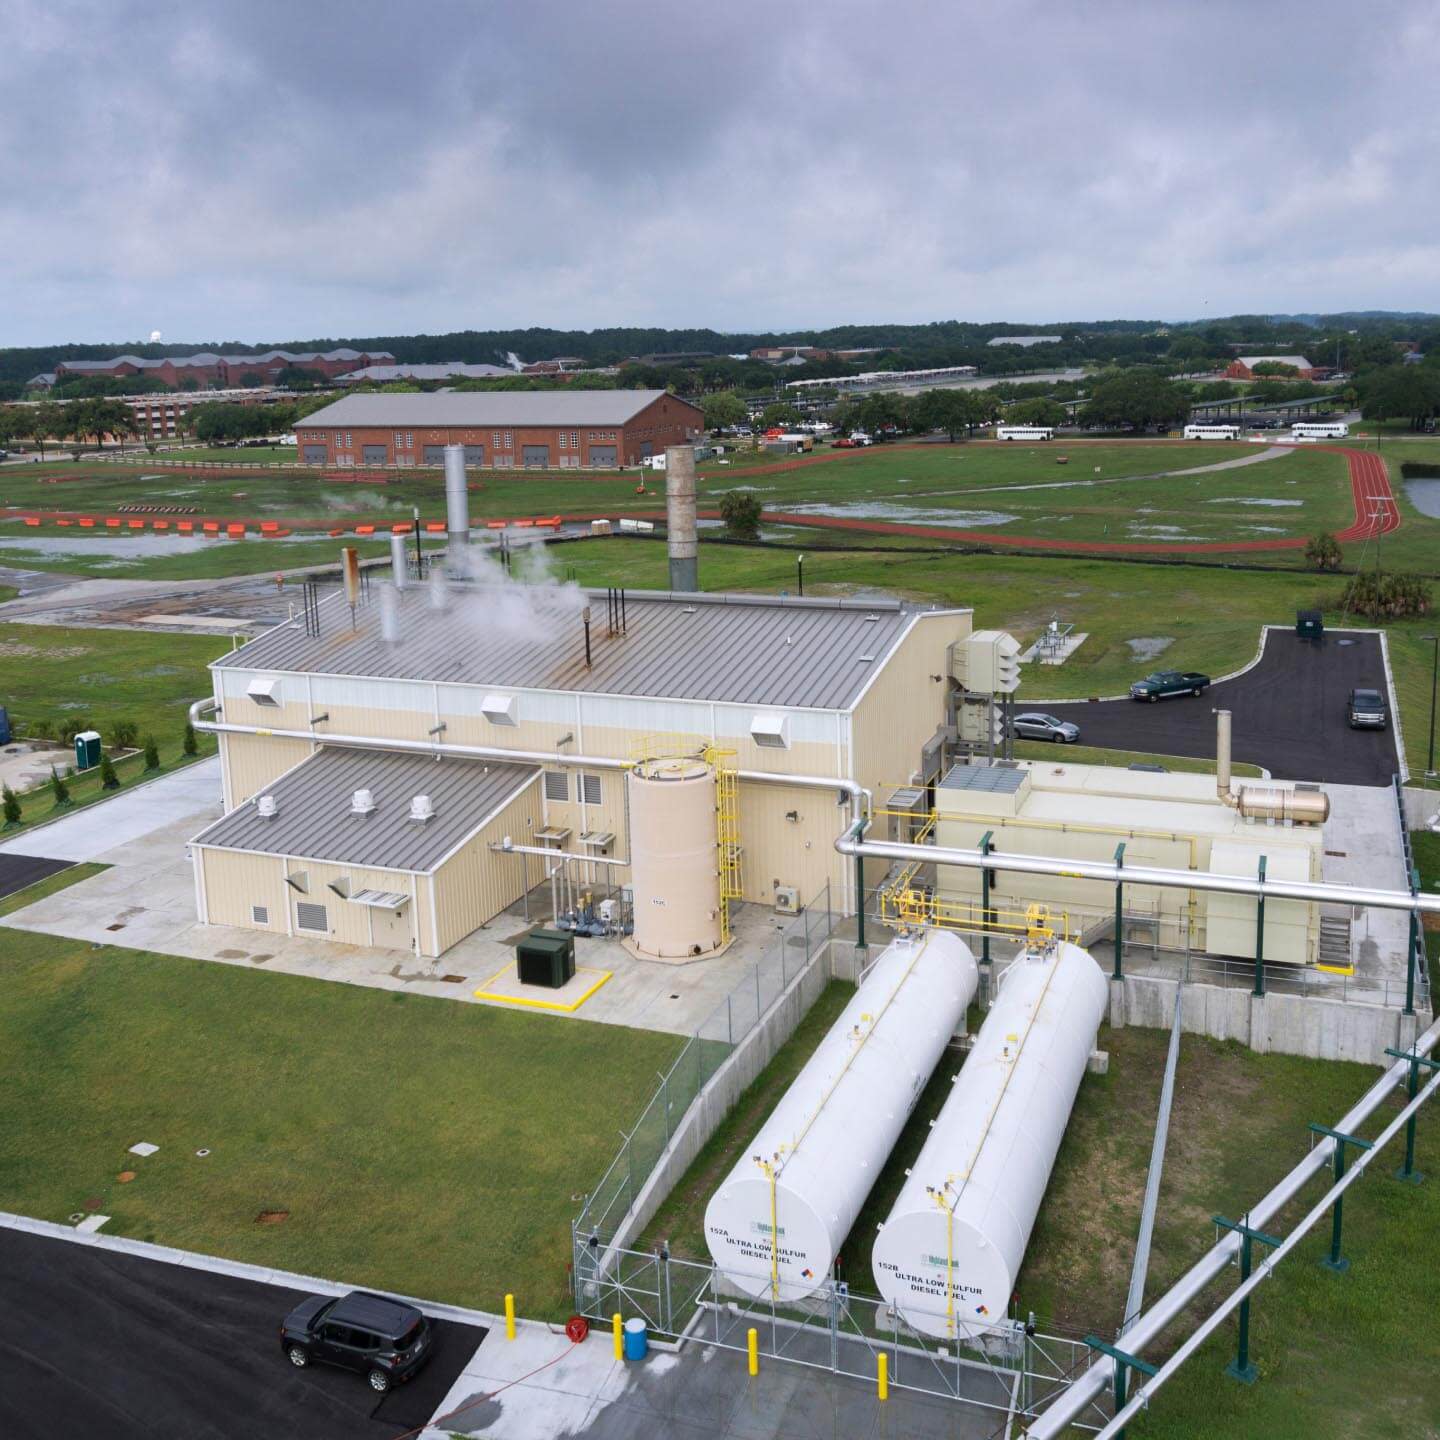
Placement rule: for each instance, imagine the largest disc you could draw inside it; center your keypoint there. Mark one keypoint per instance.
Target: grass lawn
(420, 1145)
(56, 673)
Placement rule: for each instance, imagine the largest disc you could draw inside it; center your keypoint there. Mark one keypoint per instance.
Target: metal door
(391, 929)
(535, 457)
(604, 455)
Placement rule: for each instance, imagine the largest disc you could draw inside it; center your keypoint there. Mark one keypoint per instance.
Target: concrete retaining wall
(1285, 1024)
(738, 1070)
(1421, 805)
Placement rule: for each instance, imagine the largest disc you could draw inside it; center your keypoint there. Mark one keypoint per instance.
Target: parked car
(386, 1340)
(1169, 682)
(1367, 710)
(1035, 725)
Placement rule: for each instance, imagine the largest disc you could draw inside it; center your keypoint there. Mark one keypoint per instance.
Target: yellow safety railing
(907, 904)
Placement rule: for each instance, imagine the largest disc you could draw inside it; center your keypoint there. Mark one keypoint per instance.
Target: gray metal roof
(313, 819)
(1298, 361)
(439, 370)
(989, 779)
(734, 649)
(206, 357)
(480, 408)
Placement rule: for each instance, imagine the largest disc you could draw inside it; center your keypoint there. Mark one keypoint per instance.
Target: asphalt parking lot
(97, 1343)
(1289, 713)
(18, 871)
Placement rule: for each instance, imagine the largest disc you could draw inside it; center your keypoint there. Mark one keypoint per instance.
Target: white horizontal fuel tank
(778, 1220)
(947, 1256)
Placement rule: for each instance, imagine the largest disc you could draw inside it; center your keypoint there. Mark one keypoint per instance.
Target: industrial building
(581, 429)
(431, 370)
(366, 746)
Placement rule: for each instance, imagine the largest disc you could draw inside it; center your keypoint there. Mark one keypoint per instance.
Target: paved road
(95, 1343)
(88, 833)
(1289, 714)
(18, 871)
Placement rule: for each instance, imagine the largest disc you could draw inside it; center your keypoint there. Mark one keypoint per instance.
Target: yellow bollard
(752, 1344)
(509, 1317)
(882, 1377)
(619, 1326)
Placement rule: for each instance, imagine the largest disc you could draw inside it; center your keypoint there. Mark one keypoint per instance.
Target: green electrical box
(1310, 624)
(87, 749)
(546, 957)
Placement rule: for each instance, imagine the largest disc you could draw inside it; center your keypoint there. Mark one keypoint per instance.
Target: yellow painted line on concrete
(485, 993)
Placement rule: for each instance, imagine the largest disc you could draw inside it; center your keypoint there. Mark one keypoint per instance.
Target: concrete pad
(506, 988)
(144, 1147)
(104, 830)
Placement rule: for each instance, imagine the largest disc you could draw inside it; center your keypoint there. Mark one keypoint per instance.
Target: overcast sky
(287, 169)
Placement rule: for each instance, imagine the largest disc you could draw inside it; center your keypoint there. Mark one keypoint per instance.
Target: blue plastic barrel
(637, 1343)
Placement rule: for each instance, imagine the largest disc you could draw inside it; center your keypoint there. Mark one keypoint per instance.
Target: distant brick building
(505, 429)
(1242, 367)
(211, 370)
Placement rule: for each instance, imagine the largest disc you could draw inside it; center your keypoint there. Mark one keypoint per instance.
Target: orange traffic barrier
(135, 524)
(269, 527)
(496, 524)
(551, 524)
(364, 529)
(235, 527)
(339, 531)
(64, 522)
(32, 520)
(435, 527)
(401, 527)
(161, 524)
(522, 524)
(87, 522)
(112, 522)
(212, 527)
(185, 527)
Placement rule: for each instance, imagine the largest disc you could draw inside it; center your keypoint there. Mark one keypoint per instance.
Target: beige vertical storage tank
(674, 860)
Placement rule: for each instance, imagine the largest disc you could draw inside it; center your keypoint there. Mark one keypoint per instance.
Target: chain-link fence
(1011, 1368)
(795, 949)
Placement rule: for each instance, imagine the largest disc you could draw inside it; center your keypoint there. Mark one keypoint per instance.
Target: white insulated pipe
(1424, 902)
(1070, 1402)
(948, 1254)
(777, 1222)
(457, 499)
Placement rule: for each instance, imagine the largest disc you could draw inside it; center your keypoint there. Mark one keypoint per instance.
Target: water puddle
(1145, 648)
(906, 514)
(1425, 496)
(1252, 500)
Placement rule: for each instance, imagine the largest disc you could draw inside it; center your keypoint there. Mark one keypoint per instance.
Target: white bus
(1319, 430)
(1212, 432)
(1024, 432)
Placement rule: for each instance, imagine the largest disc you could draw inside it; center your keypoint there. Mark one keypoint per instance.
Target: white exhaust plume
(390, 614)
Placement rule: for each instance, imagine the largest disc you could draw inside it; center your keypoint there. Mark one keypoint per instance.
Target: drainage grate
(454, 979)
(1339, 854)
(119, 925)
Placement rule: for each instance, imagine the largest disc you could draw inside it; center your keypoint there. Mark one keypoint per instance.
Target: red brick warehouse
(527, 430)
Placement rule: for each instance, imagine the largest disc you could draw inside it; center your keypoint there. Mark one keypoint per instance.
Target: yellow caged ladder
(727, 832)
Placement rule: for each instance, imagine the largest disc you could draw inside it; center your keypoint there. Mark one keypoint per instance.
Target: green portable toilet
(87, 750)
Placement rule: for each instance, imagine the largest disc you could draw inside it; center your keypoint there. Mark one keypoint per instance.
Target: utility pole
(1434, 672)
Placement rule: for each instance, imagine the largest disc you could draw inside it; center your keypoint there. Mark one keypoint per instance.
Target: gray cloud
(347, 167)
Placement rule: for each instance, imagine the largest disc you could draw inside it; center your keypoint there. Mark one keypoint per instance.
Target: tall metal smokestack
(680, 517)
(1222, 757)
(400, 560)
(457, 500)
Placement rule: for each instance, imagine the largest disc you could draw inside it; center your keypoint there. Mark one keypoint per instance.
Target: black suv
(386, 1339)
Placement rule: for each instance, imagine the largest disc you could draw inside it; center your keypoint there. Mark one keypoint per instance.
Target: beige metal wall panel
(348, 923)
(1291, 926)
(253, 761)
(476, 884)
(904, 705)
(801, 852)
(236, 882)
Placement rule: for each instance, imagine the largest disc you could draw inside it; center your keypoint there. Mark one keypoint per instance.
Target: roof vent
(264, 692)
(421, 808)
(865, 660)
(266, 806)
(362, 802)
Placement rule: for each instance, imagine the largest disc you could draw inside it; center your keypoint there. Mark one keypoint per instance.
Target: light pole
(800, 587)
(1434, 673)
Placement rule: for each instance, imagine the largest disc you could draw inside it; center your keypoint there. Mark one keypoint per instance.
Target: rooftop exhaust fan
(421, 808)
(362, 802)
(266, 806)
